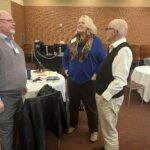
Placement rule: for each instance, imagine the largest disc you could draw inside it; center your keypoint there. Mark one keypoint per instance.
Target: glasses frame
(8, 20)
(107, 29)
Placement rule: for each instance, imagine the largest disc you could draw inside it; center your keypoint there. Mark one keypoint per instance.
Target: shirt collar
(3, 36)
(115, 44)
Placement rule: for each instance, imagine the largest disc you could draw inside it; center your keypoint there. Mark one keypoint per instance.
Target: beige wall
(5, 5)
(80, 3)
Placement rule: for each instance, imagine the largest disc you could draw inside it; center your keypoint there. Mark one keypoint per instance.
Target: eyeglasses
(106, 29)
(8, 20)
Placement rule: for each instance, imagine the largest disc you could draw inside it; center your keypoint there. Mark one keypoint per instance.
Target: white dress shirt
(10, 42)
(120, 70)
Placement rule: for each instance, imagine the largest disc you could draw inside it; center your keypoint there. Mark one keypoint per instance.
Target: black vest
(104, 76)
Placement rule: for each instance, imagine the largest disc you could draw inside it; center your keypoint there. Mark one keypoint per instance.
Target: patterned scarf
(87, 47)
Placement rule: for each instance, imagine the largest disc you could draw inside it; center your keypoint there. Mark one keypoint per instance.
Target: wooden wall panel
(44, 22)
(18, 15)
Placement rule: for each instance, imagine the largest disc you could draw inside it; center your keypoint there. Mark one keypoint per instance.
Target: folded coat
(44, 112)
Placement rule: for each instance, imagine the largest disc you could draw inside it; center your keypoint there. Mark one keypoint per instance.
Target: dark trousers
(86, 93)
(12, 103)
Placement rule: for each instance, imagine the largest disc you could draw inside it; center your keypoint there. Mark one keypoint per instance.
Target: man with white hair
(12, 80)
(111, 81)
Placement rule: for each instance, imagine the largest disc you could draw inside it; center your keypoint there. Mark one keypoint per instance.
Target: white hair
(2, 13)
(89, 23)
(120, 25)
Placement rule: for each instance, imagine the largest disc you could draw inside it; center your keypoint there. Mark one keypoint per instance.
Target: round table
(141, 75)
(34, 86)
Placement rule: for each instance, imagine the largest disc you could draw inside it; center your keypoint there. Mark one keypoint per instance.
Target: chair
(60, 48)
(49, 50)
(28, 48)
(145, 53)
(133, 86)
(45, 112)
(136, 54)
(146, 61)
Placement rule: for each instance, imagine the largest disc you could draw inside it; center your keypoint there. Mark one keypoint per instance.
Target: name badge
(16, 50)
(73, 40)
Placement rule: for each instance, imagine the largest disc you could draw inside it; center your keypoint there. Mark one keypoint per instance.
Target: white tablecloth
(141, 74)
(34, 87)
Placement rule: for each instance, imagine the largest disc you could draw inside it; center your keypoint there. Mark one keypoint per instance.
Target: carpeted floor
(133, 127)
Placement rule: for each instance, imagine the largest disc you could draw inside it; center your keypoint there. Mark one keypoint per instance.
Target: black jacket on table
(44, 112)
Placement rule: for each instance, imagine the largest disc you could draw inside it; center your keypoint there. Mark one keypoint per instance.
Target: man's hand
(93, 77)
(1, 106)
(66, 73)
(24, 91)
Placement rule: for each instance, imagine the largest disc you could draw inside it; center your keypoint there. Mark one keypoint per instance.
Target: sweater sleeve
(66, 59)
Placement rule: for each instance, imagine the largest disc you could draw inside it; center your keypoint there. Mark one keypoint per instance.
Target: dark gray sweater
(12, 68)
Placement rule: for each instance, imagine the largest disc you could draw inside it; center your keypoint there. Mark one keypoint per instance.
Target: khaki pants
(108, 116)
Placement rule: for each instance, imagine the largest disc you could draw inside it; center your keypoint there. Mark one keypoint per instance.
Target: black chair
(60, 48)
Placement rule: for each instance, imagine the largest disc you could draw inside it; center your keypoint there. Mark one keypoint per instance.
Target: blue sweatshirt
(82, 72)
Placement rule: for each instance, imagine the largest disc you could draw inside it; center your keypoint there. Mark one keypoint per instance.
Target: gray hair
(121, 26)
(2, 13)
(89, 23)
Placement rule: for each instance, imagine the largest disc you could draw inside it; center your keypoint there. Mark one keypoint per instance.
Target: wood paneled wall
(52, 24)
(18, 15)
